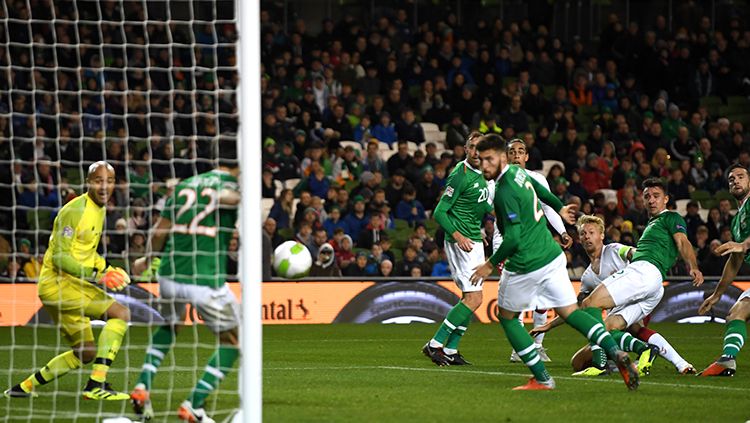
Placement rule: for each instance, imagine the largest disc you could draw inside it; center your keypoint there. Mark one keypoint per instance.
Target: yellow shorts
(72, 303)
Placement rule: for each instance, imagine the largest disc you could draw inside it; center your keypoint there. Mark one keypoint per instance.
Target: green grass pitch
(324, 373)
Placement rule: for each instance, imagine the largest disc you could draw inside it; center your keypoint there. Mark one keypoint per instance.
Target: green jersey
(465, 201)
(196, 250)
(656, 244)
(741, 226)
(521, 221)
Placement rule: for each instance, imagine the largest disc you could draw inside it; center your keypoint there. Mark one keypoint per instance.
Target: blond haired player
(65, 287)
(607, 259)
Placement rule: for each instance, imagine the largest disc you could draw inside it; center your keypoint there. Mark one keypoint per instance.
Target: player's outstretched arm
(557, 321)
(731, 267)
(688, 254)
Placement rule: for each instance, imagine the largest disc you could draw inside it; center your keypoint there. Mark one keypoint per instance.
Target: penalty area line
(505, 374)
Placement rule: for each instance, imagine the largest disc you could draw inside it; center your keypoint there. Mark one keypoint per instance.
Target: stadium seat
(547, 165)
(265, 206)
(710, 102)
(279, 187)
(738, 102)
(294, 206)
(291, 183)
(610, 195)
(429, 127)
(682, 206)
(413, 147)
(703, 197)
(725, 195)
(437, 137)
(384, 147)
(703, 214)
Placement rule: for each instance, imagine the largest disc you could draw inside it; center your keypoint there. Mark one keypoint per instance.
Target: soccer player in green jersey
(464, 203)
(196, 225)
(736, 330)
(634, 292)
(535, 274)
(65, 287)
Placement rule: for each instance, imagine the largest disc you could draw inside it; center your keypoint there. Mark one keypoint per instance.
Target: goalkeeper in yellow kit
(68, 289)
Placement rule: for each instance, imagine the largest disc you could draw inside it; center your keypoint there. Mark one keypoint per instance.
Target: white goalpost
(149, 86)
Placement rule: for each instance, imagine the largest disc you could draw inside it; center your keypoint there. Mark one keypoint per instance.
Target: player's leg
(220, 311)
(540, 318)
(734, 338)
(108, 345)
(666, 349)
(620, 318)
(63, 307)
(472, 300)
(173, 309)
(77, 330)
(462, 265)
(556, 292)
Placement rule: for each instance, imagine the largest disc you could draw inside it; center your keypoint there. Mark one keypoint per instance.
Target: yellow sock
(56, 367)
(109, 344)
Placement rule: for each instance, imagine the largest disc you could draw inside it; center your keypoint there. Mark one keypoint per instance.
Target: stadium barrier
(357, 301)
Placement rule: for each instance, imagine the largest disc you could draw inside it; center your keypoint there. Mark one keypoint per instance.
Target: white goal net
(148, 86)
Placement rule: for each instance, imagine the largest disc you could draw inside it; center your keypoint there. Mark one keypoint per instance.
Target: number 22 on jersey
(195, 227)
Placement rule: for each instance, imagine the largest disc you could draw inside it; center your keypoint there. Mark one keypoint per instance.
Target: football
(292, 260)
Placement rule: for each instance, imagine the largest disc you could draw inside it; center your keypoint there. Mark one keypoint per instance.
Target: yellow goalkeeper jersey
(74, 240)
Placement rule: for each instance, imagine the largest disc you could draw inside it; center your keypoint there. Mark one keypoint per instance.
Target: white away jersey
(609, 263)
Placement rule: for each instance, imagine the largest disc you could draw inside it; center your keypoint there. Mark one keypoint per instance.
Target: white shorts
(463, 263)
(544, 288)
(636, 291)
(217, 307)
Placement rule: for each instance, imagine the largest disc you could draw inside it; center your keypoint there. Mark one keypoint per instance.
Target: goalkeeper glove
(114, 278)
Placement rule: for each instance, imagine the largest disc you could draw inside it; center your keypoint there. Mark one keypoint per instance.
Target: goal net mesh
(148, 86)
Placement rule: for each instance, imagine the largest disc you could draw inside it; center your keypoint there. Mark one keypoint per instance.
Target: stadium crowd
(362, 124)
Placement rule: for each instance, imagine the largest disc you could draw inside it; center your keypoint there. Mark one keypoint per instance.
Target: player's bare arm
(688, 254)
(731, 267)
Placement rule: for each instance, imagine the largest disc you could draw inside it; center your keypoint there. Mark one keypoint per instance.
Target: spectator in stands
(386, 268)
(677, 188)
(409, 208)
(693, 220)
(357, 219)
(408, 128)
(281, 211)
(578, 161)
(288, 163)
(580, 94)
(592, 176)
(416, 167)
(428, 191)
(711, 157)
(385, 131)
(325, 263)
(348, 167)
(713, 263)
(515, 117)
(270, 229)
(714, 223)
(370, 234)
(359, 267)
(13, 270)
(305, 201)
(409, 260)
(334, 221)
(318, 239)
(363, 130)
(441, 268)
(372, 161)
(673, 122)
(456, 132)
(268, 189)
(725, 208)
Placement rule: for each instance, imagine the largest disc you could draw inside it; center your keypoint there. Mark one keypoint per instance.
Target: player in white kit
(518, 155)
(606, 259)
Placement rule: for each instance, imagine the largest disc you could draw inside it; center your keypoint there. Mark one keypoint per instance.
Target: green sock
(458, 315)
(523, 344)
(161, 342)
(218, 366)
(109, 344)
(627, 342)
(734, 338)
(56, 367)
(598, 357)
(455, 336)
(585, 322)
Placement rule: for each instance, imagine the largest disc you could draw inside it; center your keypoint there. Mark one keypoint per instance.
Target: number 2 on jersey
(194, 227)
(538, 212)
